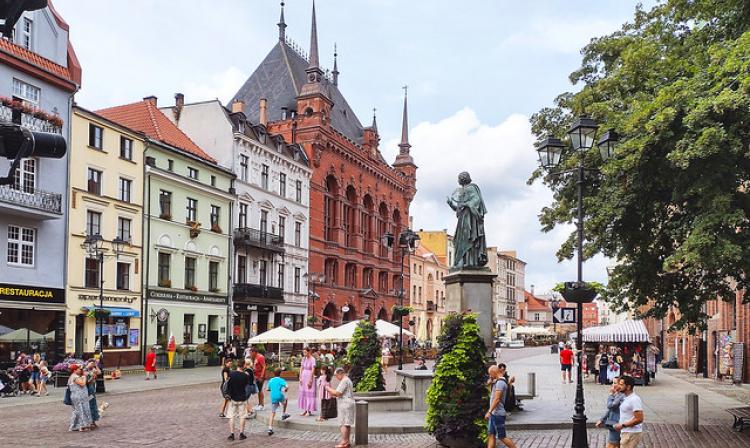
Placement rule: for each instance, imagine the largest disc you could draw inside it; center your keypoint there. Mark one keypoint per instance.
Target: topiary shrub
(363, 355)
(458, 397)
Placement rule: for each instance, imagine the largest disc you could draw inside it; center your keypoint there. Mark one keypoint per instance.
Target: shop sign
(201, 331)
(186, 297)
(35, 294)
(239, 307)
(118, 299)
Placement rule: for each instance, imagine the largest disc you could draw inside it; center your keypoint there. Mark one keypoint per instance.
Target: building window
(536, 316)
(25, 179)
(215, 214)
(126, 148)
(191, 210)
(123, 229)
(419, 297)
(94, 181)
(282, 227)
(125, 189)
(170, 165)
(213, 276)
(21, 246)
(510, 264)
(298, 234)
(243, 216)
(350, 275)
(243, 167)
(123, 276)
(263, 221)
(213, 180)
(187, 328)
(367, 278)
(297, 278)
(241, 269)
(414, 293)
(282, 185)
(93, 223)
(511, 294)
(26, 91)
(281, 275)
(263, 272)
(298, 191)
(189, 272)
(165, 260)
(264, 177)
(192, 173)
(95, 136)
(165, 204)
(332, 271)
(27, 34)
(92, 273)
(510, 279)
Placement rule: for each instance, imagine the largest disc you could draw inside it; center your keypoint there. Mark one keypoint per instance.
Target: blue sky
(476, 71)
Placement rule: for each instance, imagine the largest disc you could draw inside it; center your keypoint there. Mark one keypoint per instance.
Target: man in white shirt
(631, 415)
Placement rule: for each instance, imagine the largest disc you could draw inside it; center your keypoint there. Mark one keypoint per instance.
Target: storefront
(252, 319)
(193, 318)
(32, 319)
(629, 343)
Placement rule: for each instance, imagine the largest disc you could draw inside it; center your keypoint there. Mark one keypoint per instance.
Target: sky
(476, 71)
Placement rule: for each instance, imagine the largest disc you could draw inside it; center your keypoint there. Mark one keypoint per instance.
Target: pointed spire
(335, 66)
(404, 145)
(314, 61)
(374, 120)
(282, 25)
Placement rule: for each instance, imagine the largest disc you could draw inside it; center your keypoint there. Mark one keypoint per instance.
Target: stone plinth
(471, 291)
(414, 384)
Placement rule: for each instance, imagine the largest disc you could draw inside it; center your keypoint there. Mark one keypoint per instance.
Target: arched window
(383, 227)
(367, 278)
(350, 210)
(366, 223)
(330, 316)
(330, 207)
(383, 314)
(350, 275)
(349, 315)
(383, 282)
(332, 271)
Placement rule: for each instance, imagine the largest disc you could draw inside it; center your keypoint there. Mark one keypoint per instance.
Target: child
(43, 378)
(277, 386)
(323, 380)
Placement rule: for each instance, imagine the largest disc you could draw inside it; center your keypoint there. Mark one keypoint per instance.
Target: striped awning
(626, 331)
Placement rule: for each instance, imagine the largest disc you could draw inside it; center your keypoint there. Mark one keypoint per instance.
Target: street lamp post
(408, 241)
(312, 279)
(94, 245)
(550, 151)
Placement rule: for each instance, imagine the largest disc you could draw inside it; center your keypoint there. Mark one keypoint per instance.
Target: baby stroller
(9, 384)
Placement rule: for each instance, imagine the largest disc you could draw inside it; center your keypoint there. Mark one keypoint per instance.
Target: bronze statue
(469, 241)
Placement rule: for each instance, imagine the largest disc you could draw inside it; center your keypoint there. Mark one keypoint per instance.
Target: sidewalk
(739, 392)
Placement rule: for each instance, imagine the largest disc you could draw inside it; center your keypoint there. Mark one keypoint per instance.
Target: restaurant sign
(35, 294)
(95, 298)
(174, 296)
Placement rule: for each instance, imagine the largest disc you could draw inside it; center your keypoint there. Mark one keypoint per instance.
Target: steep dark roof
(279, 79)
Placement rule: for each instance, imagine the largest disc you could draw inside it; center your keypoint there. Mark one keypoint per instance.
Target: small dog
(103, 407)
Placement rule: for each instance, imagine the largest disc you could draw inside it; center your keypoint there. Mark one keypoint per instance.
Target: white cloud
(222, 85)
(559, 36)
(500, 159)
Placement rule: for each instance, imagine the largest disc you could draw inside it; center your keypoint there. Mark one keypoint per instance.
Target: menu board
(738, 352)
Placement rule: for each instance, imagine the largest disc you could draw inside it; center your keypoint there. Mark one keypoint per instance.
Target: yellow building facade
(106, 199)
(427, 296)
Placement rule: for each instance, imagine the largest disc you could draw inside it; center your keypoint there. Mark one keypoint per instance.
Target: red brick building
(355, 194)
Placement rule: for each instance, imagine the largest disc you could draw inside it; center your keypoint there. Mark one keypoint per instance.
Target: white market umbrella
(386, 329)
(307, 335)
(21, 335)
(276, 335)
(5, 330)
(533, 331)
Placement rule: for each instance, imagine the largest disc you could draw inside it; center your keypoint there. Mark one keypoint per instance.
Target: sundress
(345, 403)
(79, 395)
(306, 399)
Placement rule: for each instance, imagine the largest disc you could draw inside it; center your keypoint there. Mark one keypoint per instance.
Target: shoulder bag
(328, 408)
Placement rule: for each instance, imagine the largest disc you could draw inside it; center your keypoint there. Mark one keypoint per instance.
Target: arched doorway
(383, 314)
(329, 316)
(350, 314)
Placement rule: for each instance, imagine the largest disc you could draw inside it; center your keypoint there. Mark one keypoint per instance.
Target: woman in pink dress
(306, 400)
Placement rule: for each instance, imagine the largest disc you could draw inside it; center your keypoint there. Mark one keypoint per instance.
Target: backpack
(509, 398)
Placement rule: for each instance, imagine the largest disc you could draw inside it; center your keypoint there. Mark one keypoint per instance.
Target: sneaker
(221, 415)
(259, 407)
(285, 416)
(270, 431)
(231, 436)
(243, 436)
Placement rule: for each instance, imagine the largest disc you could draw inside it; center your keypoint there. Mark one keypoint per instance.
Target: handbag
(66, 397)
(328, 407)
(225, 390)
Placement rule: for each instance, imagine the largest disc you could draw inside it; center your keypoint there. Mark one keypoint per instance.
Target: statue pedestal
(470, 290)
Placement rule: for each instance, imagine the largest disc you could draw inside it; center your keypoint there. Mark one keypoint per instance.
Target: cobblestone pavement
(738, 392)
(186, 416)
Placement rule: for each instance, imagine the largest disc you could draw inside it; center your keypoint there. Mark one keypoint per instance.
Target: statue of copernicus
(469, 241)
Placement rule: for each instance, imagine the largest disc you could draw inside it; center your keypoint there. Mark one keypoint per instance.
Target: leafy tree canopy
(672, 206)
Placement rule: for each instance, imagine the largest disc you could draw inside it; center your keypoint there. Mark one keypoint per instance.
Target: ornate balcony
(256, 238)
(31, 202)
(431, 307)
(257, 294)
(32, 118)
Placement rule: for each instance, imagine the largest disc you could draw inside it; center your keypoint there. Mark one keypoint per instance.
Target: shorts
(630, 439)
(237, 409)
(260, 385)
(496, 426)
(614, 435)
(44, 379)
(564, 367)
(35, 376)
(277, 404)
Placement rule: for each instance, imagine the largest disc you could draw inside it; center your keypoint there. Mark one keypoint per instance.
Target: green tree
(363, 355)
(458, 396)
(672, 206)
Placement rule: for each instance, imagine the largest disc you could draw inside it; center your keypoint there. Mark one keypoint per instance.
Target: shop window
(123, 276)
(92, 273)
(162, 333)
(187, 329)
(190, 272)
(115, 332)
(165, 260)
(213, 276)
(21, 246)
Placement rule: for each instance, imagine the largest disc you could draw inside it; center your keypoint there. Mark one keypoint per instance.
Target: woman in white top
(344, 394)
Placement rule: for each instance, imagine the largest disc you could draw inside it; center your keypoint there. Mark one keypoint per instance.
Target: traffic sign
(565, 316)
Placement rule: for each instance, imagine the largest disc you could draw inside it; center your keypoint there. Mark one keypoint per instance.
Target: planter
(188, 364)
(290, 375)
(459, 442)
(575, 293)
(61, 379)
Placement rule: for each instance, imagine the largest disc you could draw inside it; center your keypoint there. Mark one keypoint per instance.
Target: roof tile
(32, 58)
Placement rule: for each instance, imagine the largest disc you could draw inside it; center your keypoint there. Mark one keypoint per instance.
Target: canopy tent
(389, 330)
(307, 334)
(625, 331)
(344, 333)
(277, 335)
(531, 331)
(22, 335)
(5, 330)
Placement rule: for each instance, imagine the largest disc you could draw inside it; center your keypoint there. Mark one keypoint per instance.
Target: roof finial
(282, 25)
(335, 66)
(374, 120)
(314, 61)
(404, 145)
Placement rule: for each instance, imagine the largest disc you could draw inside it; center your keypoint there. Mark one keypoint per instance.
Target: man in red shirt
(566, 363)
(259, 369)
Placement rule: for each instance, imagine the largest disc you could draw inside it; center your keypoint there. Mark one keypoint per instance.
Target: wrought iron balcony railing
(32, 198)
(253, 291)
(253, 237)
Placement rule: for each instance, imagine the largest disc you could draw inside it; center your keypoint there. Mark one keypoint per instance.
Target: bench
(741, 417)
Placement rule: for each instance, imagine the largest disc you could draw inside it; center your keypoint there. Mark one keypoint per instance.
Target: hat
(73, 367)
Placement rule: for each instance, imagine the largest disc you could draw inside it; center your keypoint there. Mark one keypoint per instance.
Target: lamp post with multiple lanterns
(312, 279)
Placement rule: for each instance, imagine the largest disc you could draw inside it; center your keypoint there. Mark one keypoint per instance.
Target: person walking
(36, 360)
(278, 388)
(324, 380)
(385, 358)
(603, 364)
(150, 365)
(92, 373)
(612, 415)
(252, 388)
(259, 369)
(630, 424)
(80, 420)
(613, 371)
(344, 394)
(225, 371)
(496, 413)
(235, 388)
(44, 375)
(306, 399)
(566, 363)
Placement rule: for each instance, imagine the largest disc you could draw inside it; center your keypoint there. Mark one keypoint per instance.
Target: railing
(251, 290)
(29, 120)
(431, 306)
(257, 238)
(38, 199)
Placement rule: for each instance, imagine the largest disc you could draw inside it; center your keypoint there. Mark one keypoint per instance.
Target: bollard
(691, 416)
(532, 383)
(361, 424)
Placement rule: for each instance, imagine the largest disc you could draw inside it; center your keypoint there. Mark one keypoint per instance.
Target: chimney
(532, 290)
(150, 99)
(263, 111)
(179, 102)
(238, 106)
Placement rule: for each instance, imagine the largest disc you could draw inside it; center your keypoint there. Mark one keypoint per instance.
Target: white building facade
(508, 288)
